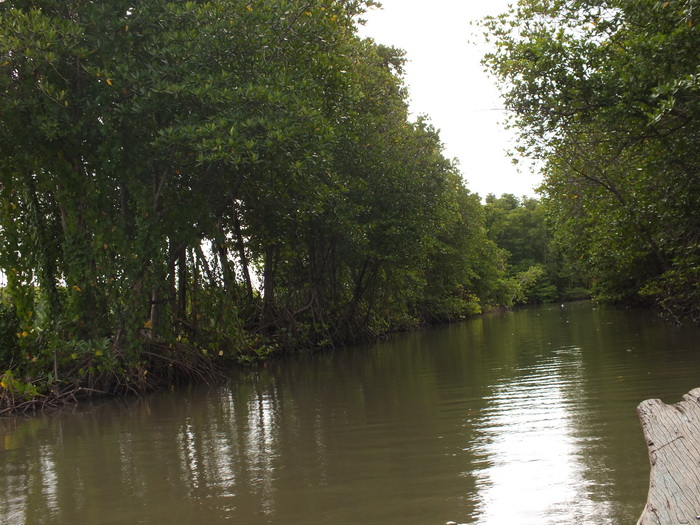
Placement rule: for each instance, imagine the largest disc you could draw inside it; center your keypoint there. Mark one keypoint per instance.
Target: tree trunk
(229, 277)
(672, 433)
(156, 311)
(269, 284)
(240, 246)
(172, 280)
(182, 283)
(194, 307)
(47, 262)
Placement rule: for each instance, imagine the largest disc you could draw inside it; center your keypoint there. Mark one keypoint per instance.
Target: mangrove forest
(186, 185)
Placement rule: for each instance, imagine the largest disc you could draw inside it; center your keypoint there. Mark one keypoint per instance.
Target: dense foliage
(537, 272)
(605, 93)
(184, 183)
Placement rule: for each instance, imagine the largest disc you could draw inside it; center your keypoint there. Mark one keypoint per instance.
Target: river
(525, 417)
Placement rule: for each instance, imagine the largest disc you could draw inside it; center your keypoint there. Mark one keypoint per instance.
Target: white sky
(447, 82)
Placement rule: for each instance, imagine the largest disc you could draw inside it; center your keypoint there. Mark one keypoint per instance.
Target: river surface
(521, 417)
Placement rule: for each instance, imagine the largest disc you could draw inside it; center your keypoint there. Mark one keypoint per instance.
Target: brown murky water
(525, 417)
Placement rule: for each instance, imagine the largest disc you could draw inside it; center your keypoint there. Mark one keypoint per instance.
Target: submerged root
(159, 365)
(167, 364)
(12, 405)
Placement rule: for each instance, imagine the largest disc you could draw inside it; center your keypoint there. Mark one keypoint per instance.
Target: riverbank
(101, 368)
(109, 372)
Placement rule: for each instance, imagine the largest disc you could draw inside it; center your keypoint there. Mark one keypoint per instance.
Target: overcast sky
(446, 82)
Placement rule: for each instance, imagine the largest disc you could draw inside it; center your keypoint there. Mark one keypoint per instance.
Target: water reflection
(525, 416)
(528, 430)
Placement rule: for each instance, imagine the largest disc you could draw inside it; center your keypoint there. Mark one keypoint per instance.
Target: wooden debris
(672, 433)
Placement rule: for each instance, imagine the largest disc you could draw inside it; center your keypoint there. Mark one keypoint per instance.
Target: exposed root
(159, 365)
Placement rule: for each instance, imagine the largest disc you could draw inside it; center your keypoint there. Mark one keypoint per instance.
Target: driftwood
(672, 433)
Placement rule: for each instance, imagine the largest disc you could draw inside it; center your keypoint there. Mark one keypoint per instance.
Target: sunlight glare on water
(528, 430)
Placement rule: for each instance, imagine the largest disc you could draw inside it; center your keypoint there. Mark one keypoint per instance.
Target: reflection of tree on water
(261, 448)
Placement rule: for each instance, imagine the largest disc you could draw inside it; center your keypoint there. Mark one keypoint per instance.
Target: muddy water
(525, 417)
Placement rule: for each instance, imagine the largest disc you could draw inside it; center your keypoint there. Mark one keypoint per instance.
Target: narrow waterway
(525, 417)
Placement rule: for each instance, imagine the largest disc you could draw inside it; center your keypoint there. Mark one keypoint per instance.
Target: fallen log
(672, 433)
